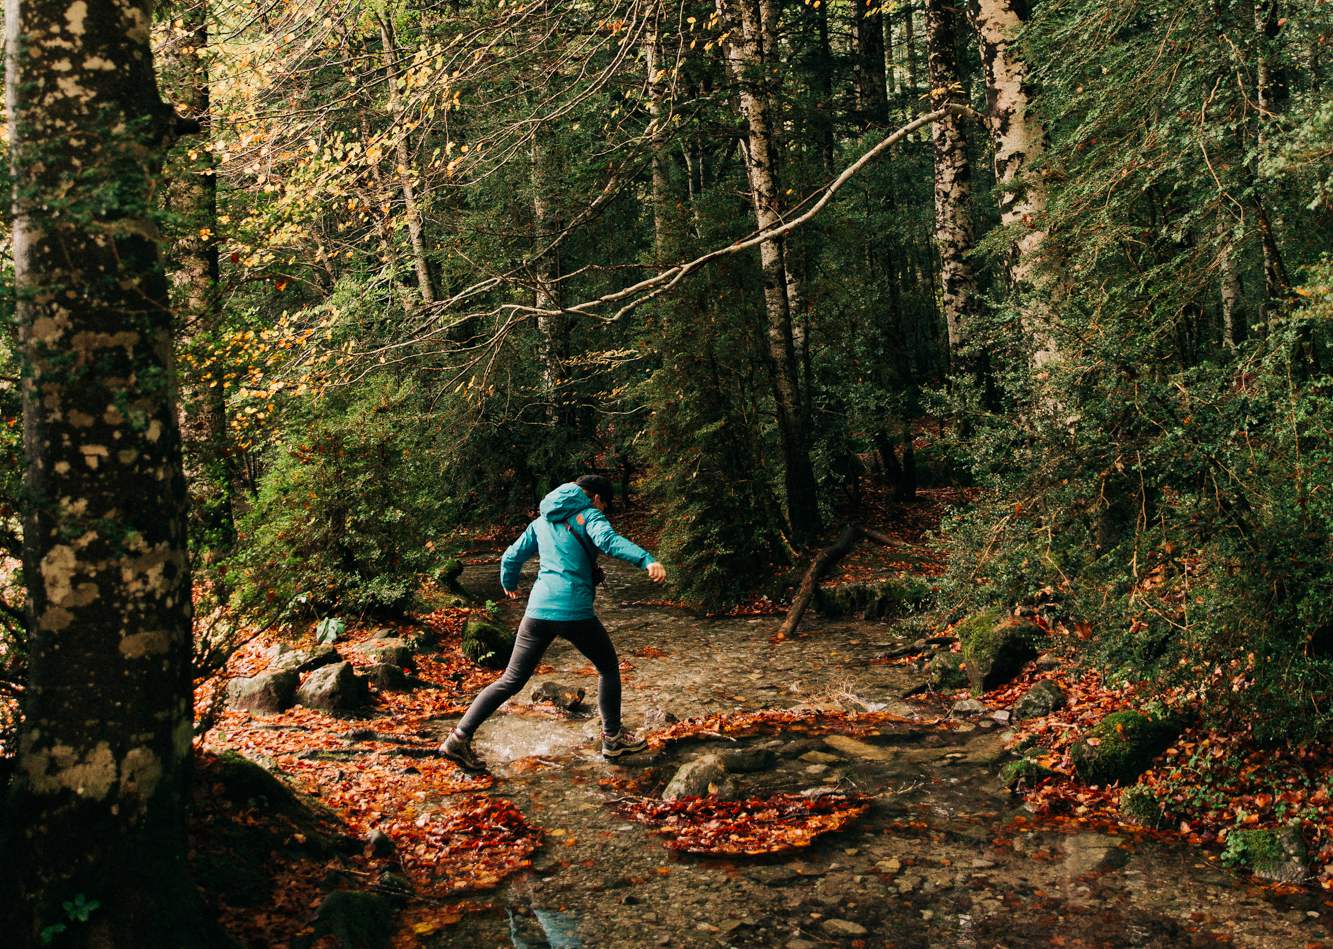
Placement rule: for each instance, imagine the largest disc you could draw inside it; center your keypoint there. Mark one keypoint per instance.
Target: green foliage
(1139, 805)
(343, 517)
(1272, 853)
(1023, 773)
(329, 630)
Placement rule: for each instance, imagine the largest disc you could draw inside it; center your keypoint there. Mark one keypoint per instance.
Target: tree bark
(97, 804)
(416, 230)
(553, 327)
(824, 562)
(1018, 141)
(872, 94)
(745, 56)
(657, 138)
(954, 236)
(1271, 96)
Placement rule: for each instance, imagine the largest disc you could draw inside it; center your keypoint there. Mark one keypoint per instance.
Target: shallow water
(939, 860)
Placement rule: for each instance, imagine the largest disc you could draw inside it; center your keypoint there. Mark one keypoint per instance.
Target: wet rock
(1092, 853)
(966, 708)
(1121, 747)
(394, 652)
(819, 757)
(844, 927)
(746, 760)
(389, 677)
(333, 688)
(379, 844)
(1139, 805)
(1042, 699)
(303, 660)
(266, 693)
(487, 644)
(897, 596)
(1023, 773)
(945, 671)
(996, 647)
(355, 920)
(1276, 854)
(858, 749)
(561, 696)
(701, 777)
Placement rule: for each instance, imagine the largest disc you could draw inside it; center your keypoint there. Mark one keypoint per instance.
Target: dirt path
(944, 858)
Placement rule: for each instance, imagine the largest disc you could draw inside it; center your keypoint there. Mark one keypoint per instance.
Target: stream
(945, 857)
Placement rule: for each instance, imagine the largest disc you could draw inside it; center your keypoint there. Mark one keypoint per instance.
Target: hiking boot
(622, 742)
(459, 750)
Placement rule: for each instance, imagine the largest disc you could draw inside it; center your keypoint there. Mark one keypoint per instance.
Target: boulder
(388, 677)
(561, 696)
(355, 920)
(897, 596)
(1139, 805)
(1121, 747)
(487, 644)
(1042, 699)
(266, 693)
(996, 647)
(945, 671)
(395, 652)
(1278, 854)
(333, 688)
(745, 760)
(701, 777)
(301, 661)
(966, 708)
(1092, 853)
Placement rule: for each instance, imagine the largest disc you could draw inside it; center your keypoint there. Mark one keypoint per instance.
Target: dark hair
(598, 486)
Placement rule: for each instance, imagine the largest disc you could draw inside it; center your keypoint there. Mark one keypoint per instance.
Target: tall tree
(99, 796)
(748, 27)
(953, 175)
(872, 94)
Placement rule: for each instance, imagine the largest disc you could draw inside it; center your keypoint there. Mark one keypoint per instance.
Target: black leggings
(534, 635)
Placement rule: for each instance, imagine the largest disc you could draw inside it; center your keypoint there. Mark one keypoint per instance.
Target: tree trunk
(744, 51)
(1018, 142)
(416, 231)
(661, 186)
(909, 51)
(872, 94)
(553, 327)
(196, 280)
(890, 71)
(1233, 323)
(1271, 96)
(954, 236)
(97, 804)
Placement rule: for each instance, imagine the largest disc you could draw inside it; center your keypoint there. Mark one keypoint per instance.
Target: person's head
(600, 489)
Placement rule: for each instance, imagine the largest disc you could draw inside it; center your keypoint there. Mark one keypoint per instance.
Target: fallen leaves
(753, 827)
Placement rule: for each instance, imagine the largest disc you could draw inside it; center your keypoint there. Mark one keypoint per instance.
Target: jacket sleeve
(515, 556)
(604, 536)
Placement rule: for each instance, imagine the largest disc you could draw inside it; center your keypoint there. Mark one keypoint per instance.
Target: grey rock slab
(303, 660)
(965, 708)
(1092, 853)
(396, 652)
(698, 778)
(333, 688)
(266, 693)
(857, 748)
(844, 927)
(746, 760)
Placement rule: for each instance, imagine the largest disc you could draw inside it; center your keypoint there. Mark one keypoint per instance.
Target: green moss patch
(487, 644)
(996, 647)
(1121, 746)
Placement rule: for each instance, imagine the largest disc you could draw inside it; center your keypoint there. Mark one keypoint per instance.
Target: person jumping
(571, 529)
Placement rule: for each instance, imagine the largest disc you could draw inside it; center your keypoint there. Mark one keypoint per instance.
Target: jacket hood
(564, 502)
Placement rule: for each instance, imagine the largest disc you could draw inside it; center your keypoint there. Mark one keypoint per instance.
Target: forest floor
(896, 828)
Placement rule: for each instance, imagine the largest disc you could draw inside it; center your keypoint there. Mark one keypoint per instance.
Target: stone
(858, 749)
(333, 688)
(996, 647)
(1276, 854)
(355, 920)
(389, 677)
(1121, 747)
(487, 644)
(379, 844)
(945, 671)
(301, 661)
(1023, 773)
(561, 696)
(1047, 661)
(1042, 699)
(746, 760)
(701, 777)
(1092, 853)
(891, 865)
(395, 652)
(819, 757)
(844, 927)
(965, 708)
(1139, 805)
(265, 693)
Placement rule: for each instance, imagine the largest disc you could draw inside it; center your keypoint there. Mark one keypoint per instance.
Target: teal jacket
(563, 589)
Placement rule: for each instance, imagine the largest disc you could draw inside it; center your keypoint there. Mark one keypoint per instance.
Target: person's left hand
(511, 594)
(656, 572)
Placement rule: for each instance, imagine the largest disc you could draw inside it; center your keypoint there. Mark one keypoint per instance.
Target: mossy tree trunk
(97, 805)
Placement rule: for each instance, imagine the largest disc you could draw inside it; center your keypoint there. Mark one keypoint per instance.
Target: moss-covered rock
(355, 920)
(487, 644)
(1121, 746)
(945, 671)
(1139, 805)
(887, 599)
(1272, 853)
(1042, 699)
(996, 647)
(1023, 773)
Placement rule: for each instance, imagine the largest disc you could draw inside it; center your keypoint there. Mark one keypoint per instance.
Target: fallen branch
(824, 562)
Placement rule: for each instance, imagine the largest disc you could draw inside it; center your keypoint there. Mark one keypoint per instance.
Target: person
(571, 524)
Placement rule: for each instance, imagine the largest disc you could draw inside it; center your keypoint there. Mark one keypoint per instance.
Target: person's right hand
(511, 594)
(656, 572)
